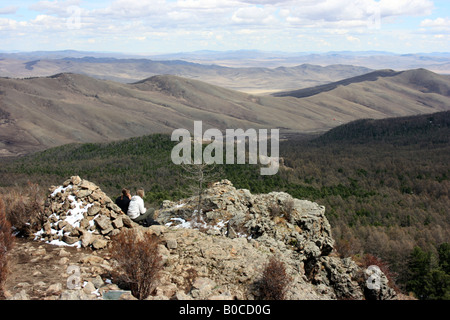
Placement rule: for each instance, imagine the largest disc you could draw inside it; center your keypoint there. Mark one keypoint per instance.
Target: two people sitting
(134, 207)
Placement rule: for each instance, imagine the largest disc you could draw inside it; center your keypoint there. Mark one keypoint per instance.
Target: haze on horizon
(163, 26)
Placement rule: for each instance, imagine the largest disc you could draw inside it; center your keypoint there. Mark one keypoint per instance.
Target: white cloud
(60, 8)
(9, 10)
(122, 9)
(353, 39)
(406, 7)
(354, 12)
(233, 23)
(254, 15)
(205, 4)
(10, 24)
(437, 23)
(436, 27)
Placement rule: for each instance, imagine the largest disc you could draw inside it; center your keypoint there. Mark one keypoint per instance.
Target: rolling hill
(246, 79)
(424, 80)
(38, 113)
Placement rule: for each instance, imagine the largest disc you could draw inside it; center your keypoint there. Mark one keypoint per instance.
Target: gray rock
(22, 295)
(98, 282)
(87, 239)
(83, 193)
(75, 180)
(89, 288)
(340, 275)
(171, 243)
(74, 295)
(55, 288)
(104, 223)
(84, 184)
(69, 240)
(93, 210)
(127, 222)
(118, 222)
(99, 243)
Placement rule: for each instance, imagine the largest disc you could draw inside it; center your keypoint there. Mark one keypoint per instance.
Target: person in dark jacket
(124, 200)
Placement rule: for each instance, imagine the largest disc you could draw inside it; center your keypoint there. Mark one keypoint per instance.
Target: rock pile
(79, 214)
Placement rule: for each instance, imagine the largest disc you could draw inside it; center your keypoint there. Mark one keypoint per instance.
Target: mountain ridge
(307, 92)
(38, 113)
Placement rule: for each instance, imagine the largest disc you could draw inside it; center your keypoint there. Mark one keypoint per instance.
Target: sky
(168, 26)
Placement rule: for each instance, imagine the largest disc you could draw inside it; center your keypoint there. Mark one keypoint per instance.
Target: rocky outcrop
(221, 268)
(275, 219)
(220, 252)
(78, 213)
(252, 228)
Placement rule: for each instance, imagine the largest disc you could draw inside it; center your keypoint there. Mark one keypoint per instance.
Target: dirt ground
(42, 271)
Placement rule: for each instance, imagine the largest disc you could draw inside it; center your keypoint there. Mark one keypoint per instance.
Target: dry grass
(189, 279)
(23, 208)
(6, 243)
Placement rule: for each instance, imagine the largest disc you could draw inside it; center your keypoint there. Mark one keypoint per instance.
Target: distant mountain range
(249, 79)
(438, 62)
(250, 71)
(39, 113)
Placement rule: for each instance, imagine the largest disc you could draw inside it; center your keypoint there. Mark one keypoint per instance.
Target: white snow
(75, 215)
(60, 189)
(197, 222)
(62, 243)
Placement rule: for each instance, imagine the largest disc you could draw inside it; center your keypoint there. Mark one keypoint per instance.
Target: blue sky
(161, 26)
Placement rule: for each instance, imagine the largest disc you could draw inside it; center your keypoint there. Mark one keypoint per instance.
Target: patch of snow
(60, 189)
(96, 292)
(75, 215)
(220, 225)
(62, 243)
(197, 222)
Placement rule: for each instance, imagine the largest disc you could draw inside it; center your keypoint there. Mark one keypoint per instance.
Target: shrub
(275, 281)
(6, 243)
(24, 209)
(138, 261)
(289, 209)
(189, 279)
(274, 210)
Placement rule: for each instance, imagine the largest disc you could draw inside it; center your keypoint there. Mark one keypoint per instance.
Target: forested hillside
(384, 183)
